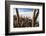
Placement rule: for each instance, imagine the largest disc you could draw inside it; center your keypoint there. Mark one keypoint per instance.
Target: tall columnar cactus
(17, 16)
(35, 16)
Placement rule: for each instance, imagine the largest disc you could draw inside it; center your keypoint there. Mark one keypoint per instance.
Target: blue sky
(25, 9)
(25, 12)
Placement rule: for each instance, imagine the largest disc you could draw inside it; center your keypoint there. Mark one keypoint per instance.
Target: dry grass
(24, 22)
